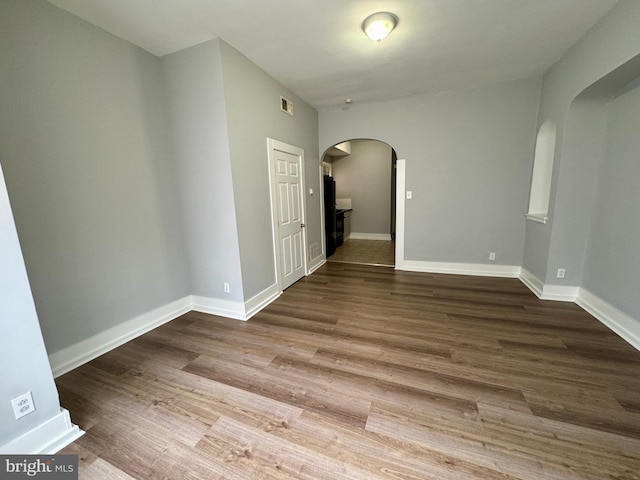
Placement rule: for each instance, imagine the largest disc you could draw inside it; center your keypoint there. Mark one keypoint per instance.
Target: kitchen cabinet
(343, 225)
(347, 224)
(339, 227)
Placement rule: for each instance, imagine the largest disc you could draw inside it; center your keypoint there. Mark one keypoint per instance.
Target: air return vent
(286, 106)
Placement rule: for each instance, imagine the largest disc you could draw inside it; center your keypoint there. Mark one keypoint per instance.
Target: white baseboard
(261, 300)
(621, 323)
(478, 269)
(530, 280)
(86, 350)
(370, 236)
(234, 309)
(47, 438)
(558, 293)
(216, 306)
(316, 263)
(67, 359)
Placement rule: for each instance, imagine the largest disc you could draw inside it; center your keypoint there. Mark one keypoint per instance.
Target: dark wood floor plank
(365, 372)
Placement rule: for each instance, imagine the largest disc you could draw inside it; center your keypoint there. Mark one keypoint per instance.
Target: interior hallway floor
(371, 252)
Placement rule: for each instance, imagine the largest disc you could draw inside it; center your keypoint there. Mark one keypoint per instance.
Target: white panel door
(288, 182)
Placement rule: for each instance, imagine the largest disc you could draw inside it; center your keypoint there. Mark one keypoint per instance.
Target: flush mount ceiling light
(379, 25)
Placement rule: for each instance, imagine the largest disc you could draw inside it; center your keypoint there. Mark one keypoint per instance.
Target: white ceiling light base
(379, 25)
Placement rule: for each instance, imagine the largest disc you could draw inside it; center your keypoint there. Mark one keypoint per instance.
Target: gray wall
(608, 45)
(223, 108)
(85, 144)
(195, 93)
(577, 174)
(612, 269)
(24, 366)
(469, 158)
(252, 100)
(365, 177)
(111, 226)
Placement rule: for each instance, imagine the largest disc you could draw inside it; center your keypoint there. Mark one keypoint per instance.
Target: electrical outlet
(492, 256)
(226, 288)
(560, 273)
(409, 195)
(23, 405)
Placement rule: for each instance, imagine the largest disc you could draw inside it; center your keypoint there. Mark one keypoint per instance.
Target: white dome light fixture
(378, 25)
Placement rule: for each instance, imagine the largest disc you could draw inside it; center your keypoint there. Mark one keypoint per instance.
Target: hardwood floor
(363, 372)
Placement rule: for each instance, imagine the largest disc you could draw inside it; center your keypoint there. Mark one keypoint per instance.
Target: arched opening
(359, 184)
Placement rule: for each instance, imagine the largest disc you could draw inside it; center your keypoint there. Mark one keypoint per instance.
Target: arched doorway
(359, 181)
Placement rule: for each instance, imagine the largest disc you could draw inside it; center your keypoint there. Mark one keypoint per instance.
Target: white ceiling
(317, 49)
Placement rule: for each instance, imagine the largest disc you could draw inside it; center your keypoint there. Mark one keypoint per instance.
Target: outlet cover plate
(22, 405)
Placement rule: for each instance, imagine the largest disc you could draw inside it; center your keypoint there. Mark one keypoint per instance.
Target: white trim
(477, 269)
(67, 359)
(323, 235)
(537, 217)
(216, 306)
(47, 438)
(558, 293)
(234, 309)
(370, 236)
(261, 300)
(621, 323)
(400, 210)
(73, 356)
(530, 280)
(315, 266)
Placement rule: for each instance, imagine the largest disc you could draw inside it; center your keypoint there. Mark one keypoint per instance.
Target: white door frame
(400, 211)
(273, 145)
(323, 235)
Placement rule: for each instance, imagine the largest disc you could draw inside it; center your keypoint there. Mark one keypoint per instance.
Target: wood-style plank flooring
(366, 373)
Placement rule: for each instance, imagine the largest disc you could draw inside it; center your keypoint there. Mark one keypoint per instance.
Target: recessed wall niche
(542, 173)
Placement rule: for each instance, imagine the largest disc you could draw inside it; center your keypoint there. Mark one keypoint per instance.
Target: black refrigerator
(330, 214)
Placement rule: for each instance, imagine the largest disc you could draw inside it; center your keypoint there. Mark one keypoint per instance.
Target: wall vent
(314, 251)
(286, 106)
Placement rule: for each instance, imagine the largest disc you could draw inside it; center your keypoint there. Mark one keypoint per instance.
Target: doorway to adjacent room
(360, 202)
